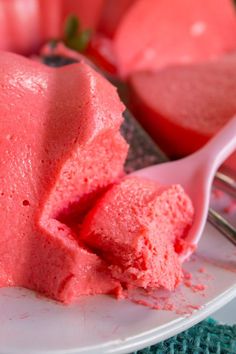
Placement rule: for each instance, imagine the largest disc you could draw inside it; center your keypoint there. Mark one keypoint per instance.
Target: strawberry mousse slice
(183, 106)
(138, 227)
(60, 149)
(153, 34)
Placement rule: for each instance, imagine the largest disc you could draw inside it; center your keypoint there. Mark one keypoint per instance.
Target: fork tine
(226, 183)
(222, 225)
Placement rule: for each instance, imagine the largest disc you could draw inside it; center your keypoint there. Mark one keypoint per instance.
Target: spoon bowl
(195, 174)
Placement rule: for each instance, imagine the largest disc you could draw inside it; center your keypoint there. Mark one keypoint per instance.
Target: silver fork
(222, 225)
(228, 185)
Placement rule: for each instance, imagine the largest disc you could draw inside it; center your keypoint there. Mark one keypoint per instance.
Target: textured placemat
(204, 338)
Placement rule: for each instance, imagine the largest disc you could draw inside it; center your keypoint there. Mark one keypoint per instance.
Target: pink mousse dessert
(70, 224)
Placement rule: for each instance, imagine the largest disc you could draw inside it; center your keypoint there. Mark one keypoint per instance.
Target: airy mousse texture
(60, 149)
(138, 227)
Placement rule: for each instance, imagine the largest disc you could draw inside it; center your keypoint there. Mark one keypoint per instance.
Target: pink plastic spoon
(195, 173)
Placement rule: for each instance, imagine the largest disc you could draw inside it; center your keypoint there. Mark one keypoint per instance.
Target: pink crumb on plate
(202, 270)
(183, 300)
(176, 301)
(187, 275)
(194, 287)
(231, 207)
(217, 193)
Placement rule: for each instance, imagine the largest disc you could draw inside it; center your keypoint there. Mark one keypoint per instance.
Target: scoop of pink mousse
(137, 227)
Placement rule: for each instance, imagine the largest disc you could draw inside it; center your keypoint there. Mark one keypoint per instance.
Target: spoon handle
(221, 145)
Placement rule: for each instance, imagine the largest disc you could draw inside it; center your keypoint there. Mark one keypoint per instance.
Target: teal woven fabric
(207, 337)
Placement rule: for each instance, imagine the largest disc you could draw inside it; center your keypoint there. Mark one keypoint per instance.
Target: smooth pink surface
(60, 147)
(155, 33)
(183, 106)
(26, 24)
(138, 227)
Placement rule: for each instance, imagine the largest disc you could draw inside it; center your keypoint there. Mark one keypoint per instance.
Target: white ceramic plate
(30, 324)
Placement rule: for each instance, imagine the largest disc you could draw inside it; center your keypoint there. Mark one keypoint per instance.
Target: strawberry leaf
(71, 27)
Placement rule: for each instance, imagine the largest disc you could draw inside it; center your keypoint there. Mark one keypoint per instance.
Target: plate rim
(147, 338)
